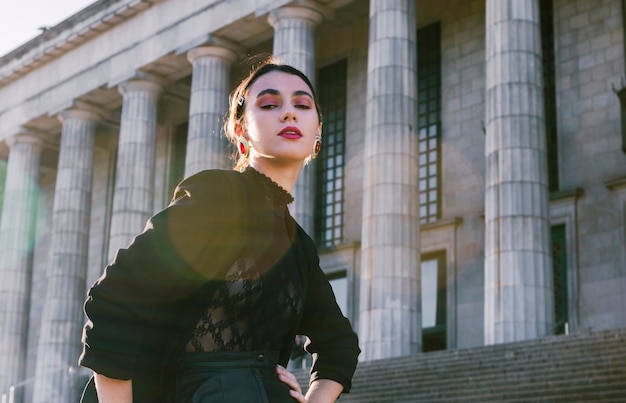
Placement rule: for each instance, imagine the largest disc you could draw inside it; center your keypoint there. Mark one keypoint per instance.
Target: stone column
(518, 263)
(59, 340)
(210, 85)
(17, 238)
(390, 314)
(294, 44)
(134, 176)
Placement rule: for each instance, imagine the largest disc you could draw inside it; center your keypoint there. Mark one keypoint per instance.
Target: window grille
(329, 217)
(429, 121)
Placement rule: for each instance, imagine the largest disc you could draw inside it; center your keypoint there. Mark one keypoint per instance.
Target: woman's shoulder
(211, 183)
(212, 177)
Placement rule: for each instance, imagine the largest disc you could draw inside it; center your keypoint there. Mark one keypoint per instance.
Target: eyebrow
(272, 91)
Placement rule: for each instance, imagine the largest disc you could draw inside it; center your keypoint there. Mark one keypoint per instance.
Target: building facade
(471, 189)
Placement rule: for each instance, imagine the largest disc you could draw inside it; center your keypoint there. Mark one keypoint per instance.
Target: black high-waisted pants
(247, 377)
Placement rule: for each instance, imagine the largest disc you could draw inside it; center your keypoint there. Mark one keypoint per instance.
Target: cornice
(68, 35)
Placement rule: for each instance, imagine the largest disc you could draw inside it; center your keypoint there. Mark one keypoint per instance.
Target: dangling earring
(244, 147)
(317, 146)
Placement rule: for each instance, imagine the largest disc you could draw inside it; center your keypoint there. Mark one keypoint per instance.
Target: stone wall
(589, 56)
(463, 157)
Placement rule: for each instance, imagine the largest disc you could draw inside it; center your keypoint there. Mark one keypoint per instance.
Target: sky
(20, 19)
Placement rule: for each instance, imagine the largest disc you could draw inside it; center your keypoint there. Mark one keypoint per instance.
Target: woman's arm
(323, 390)
(320, 391)
(331, 339)
(113, 390)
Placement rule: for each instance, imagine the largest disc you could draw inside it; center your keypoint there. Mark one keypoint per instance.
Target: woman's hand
(290, 379)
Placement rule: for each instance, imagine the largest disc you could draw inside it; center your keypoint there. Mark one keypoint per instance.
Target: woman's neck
(284, 175)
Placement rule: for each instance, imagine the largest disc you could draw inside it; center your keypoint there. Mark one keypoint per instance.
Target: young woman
(204, 305)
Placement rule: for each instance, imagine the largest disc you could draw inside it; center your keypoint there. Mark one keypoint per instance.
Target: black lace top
(223, 268)
(259, 295)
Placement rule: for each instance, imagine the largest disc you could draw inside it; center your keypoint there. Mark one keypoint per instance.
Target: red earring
(317, 146)
(244, 147)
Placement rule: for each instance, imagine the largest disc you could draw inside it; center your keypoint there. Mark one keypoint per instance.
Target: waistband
(229, 359)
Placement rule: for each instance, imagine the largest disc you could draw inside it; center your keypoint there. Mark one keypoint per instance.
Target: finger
(283, 371)
(288, 378)
(298, 396)
(291, 381)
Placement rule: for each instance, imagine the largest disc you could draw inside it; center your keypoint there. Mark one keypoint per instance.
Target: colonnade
(517, 280)
(59, 340)
(518, 267)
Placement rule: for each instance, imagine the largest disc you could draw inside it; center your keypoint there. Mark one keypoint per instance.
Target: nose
(290, 114)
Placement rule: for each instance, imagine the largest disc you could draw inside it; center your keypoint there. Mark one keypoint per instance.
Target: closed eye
(301, 101)
(268, 99)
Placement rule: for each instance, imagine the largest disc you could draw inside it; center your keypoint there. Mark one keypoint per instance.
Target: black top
(223, 268)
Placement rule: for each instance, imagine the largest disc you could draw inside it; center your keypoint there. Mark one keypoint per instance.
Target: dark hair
(238, 99)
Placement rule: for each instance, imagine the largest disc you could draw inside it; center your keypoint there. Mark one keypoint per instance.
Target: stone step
(562, 364)
(590, 366)
(537, 396)
(452, 385)
(597, 383)
(473, 371)
(547, 385)
(496, 358)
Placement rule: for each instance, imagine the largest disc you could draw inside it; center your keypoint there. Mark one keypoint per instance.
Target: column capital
(217, 51)
(26, 136)
(310, 13)
(80, 113)
(209, 40)
(140, 85)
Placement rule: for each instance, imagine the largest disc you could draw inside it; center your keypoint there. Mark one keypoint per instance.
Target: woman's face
(281, 120)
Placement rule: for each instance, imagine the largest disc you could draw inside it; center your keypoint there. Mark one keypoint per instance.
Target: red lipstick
(290, 132)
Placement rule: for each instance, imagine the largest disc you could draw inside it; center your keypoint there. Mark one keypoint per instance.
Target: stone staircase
(582, 367)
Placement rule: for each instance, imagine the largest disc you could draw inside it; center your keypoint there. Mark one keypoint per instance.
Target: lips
(290, 132)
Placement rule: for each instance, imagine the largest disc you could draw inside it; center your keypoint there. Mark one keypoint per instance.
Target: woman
(204, 305)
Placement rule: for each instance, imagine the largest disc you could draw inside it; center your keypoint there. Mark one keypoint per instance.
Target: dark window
(339, 283)
(549, 91)
(429, 121)
(559, 270)
(329, 200)
(434, 301)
